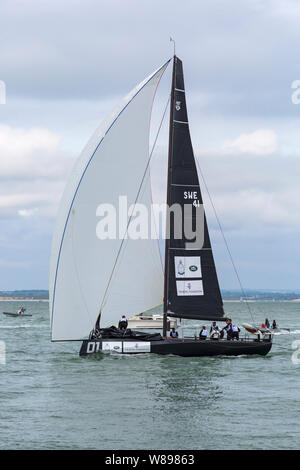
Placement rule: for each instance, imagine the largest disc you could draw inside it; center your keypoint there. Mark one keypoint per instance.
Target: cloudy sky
(66, 64)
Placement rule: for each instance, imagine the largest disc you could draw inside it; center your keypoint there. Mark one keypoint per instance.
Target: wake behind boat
(96, 278)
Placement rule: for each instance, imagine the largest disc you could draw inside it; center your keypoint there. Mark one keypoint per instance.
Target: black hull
(186, 347)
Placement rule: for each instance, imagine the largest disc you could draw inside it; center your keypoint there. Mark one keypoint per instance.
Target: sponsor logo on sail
(193, 268)
(189, 287)
(180, 268)
(178, 105)
(187, 267)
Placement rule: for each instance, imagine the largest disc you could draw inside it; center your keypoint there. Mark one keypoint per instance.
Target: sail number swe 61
(192, 195)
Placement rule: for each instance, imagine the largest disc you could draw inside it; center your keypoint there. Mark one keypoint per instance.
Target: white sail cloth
(112, 165)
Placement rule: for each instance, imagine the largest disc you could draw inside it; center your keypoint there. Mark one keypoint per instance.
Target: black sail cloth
(191, 283)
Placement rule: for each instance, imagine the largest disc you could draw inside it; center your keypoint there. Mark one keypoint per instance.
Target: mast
(191, 287)
(169, 179)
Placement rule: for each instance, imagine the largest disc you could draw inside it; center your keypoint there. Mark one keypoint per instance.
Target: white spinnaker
(137, 281)
(112, 165)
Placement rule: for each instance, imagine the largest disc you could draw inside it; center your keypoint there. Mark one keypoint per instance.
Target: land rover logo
(178, 105)
(193, 268)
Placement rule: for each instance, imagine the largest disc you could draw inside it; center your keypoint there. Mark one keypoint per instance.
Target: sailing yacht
(94, 280)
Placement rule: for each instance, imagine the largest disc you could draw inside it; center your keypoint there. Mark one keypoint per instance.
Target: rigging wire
(225, 241)
(135, 202)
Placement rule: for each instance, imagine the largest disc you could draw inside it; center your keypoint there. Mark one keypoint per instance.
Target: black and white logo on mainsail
(178, 105)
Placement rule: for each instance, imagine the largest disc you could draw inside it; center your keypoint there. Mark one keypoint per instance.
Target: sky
(67, 64)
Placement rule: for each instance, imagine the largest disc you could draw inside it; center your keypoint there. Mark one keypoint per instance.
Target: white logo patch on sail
(178, 105)
(189, 287)
(187, 266)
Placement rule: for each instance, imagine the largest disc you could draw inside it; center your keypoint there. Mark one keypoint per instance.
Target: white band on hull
(125, 347)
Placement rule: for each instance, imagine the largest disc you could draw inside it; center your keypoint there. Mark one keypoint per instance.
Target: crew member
(228, 328)
(214, 326)
(274, 325)
(173, 334)
(267, 323)
(123, 323)
(215, 332)
(21, 310)
(203, 333)
(235, 332)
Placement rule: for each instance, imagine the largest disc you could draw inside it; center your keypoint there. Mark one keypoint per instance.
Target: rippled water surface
(52, 399)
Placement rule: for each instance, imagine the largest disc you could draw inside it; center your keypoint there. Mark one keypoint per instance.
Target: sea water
(53, 399)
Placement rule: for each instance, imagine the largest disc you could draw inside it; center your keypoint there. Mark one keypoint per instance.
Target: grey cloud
(240, 53)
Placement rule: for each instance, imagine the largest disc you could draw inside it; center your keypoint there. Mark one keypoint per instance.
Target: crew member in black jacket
(228, 328)
(123, 323)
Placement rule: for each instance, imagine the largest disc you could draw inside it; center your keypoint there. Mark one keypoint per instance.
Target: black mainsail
(191, 284)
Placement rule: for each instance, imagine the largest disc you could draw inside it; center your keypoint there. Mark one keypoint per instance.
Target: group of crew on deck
(215, 331)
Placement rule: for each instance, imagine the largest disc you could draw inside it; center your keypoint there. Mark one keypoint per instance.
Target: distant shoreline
(14, 299)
